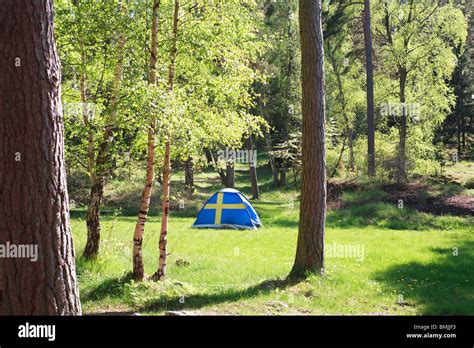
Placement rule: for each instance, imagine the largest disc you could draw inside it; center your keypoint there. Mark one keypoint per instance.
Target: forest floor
(381, 259)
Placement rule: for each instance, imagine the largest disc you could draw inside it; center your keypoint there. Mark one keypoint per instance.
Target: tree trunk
(370, 90)
(174, 49)
(161, 273)
(339, 164)
(138, 269)
(86, 118)
(210, 159)
(310, 246)
(34, 211)
(350, 145)
(91, 249)
(282, 178)
(402, 172)
(101, 171)
(230, 175)
(252, 169)
(189, 174)
(458, 135)
(268, 141)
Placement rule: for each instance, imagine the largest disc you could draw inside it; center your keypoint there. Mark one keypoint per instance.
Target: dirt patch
(416, 196)
(456, 205)
(335, 189)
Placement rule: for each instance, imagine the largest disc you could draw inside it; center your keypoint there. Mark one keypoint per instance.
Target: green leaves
(217, 47)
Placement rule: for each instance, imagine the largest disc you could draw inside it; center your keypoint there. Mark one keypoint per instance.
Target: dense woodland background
(237, 75)
(154, 92)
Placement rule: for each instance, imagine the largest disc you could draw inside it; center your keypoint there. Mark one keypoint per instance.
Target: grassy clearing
(406, 262)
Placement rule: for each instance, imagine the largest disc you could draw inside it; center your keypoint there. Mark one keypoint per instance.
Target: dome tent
(228, 208)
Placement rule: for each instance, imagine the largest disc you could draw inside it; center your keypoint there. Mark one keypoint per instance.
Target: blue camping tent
(228, 208)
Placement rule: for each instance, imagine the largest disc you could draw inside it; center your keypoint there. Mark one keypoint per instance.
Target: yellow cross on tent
(220, 205)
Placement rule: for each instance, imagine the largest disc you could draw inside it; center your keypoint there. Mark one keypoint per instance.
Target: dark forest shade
(34, 206)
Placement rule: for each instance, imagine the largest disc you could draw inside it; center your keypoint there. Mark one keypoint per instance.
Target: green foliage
(469, 183)
(218, 47)
(420, 39)
(281, 91)
(345, 93)
(288, 153)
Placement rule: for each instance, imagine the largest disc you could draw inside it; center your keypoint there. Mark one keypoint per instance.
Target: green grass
(461, 171)
(408, 266)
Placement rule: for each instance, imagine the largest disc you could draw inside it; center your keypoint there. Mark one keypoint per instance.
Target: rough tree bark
(310, 246)
(160, 274)
(138, 270)
(99, 174)
(34, 207)
(370, 90)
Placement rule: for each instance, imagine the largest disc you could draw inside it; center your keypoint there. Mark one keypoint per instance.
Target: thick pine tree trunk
(252, 169)
(34, 207)
(370, 90)
(310, 246)
(100, 171)
(138, 269)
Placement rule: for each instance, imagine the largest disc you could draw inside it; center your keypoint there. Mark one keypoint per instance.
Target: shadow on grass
(444, 286)
(116, 288)
(111, 287)
(196, 301)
